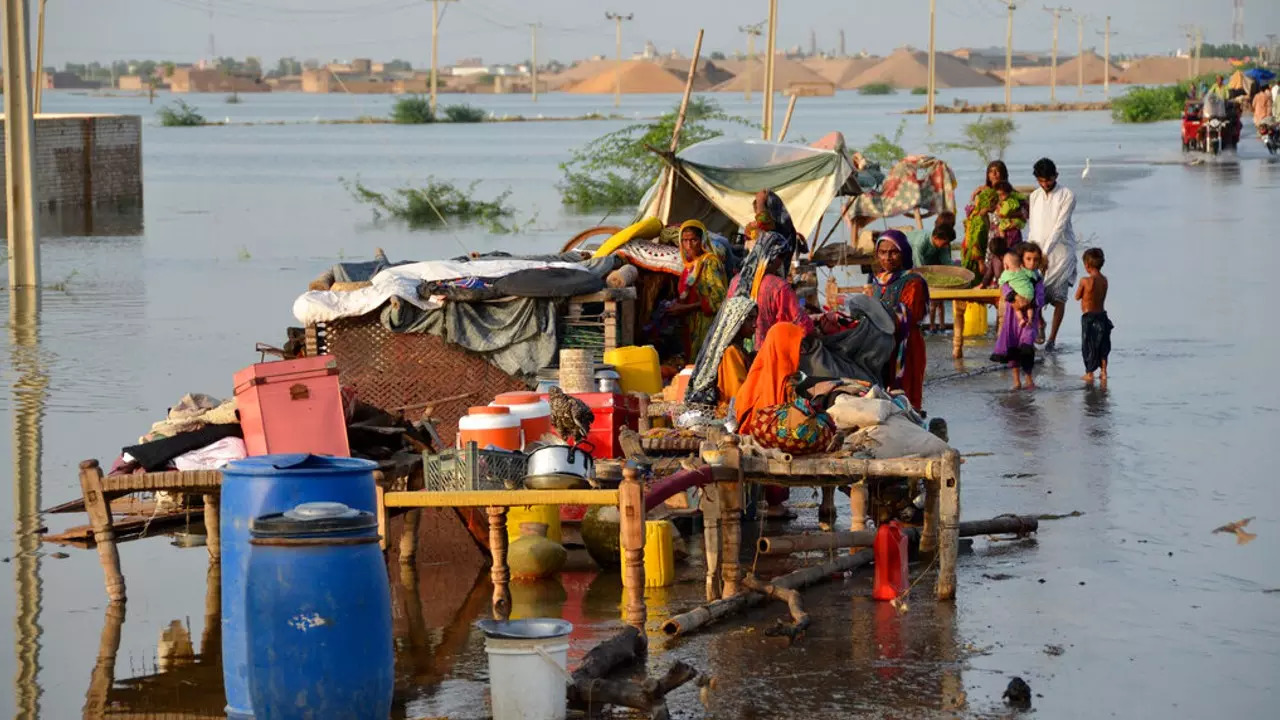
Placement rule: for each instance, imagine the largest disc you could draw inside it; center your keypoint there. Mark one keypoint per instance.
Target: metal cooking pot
(558, 467)
(608, 381)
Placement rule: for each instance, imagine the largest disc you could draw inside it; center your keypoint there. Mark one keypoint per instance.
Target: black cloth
(1095, 336)
(1024, 356)
(552, 282)
(859, 353)
(157, 454)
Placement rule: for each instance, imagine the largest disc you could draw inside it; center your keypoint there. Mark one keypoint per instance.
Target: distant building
(68, 81)
(188, 80)
(326, 81)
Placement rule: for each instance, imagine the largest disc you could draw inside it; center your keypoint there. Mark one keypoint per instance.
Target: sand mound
(910, 69)
(786, 73)
(576, 74)
(638, 76)
(1169, 70)
(841, 71)
(1068, 72)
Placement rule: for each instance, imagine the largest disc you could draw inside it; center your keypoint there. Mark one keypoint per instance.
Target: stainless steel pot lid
(526, 629)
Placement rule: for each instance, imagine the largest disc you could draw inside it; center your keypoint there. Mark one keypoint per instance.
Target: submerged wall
(85, 160)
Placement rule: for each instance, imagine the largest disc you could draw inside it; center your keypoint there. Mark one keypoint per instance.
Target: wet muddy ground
(1131, 609)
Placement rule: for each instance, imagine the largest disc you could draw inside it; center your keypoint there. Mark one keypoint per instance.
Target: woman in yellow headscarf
(702, 285)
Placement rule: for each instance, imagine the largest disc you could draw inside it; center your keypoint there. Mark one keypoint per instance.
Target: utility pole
(1106, 60)
(1053, 57)
(1080, 55)
(1008, 60)
(618, 18)
(768, 69)
(1237, 21)
(38, 82)
(842, 44)
(752, 32)
(533, 65)
(19, 137)
(1190, 34)
(1199, 44)
(932, 84)
(813, 42)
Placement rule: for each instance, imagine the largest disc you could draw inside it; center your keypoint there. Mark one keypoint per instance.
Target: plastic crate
(471, 468)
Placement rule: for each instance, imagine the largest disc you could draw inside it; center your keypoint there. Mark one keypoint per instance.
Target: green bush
(412, 110)
(614, 170)
(435, 205)
(464, 113)
(1149, 104)
(876, 89)
(922, 91)
(986, 138)
(885, 152)
(180, 114)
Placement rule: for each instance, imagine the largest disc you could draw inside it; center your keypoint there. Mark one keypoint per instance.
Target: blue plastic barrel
(259, 486)
(319, 616)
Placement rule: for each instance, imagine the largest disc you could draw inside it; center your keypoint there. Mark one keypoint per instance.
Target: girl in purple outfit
(1016, 342)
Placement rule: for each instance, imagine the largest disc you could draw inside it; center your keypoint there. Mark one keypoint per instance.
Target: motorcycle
(1209, 126)
(1269, 134)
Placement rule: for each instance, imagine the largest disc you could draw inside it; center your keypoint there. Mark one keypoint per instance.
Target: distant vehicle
(1210, 126)
(1269, 134)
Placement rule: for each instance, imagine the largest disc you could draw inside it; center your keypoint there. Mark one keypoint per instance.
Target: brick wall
(86, 160)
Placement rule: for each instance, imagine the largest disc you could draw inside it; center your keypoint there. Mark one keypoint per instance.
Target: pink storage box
(292, 406)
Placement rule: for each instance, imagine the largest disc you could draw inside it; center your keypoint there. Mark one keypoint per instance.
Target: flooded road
(1155, 616)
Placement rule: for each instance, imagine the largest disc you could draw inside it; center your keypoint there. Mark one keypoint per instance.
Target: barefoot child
(1023, 283)
(1095, 326)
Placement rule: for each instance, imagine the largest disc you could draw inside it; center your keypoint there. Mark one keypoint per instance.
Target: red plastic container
(292, 406)
(613, 411)
(890, 558)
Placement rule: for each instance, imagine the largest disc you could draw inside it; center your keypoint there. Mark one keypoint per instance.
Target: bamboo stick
(810, 542)
(786, 119)
(699, 617)
(688, 91)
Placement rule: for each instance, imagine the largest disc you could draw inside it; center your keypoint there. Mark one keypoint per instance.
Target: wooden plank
(819, 467)
(990, 295)
(172, 480)
(500, 498)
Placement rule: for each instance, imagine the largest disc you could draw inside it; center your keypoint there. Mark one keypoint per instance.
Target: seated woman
(906, 296)
(763, 280)
(777, 358)
(702, 286)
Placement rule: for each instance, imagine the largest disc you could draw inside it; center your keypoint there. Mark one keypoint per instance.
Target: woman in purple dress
(1016, 342)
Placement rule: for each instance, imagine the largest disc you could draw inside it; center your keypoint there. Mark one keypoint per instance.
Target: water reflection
(29, 394)
(92, 221)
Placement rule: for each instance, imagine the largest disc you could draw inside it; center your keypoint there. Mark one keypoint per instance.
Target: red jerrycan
(890, 551)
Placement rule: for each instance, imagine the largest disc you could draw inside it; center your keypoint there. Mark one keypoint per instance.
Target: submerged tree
(987, 138)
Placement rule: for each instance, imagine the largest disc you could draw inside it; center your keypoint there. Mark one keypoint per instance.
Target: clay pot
(600, 528)
(533, 555)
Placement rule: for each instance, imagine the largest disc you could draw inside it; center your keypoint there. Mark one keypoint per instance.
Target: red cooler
(292, 406)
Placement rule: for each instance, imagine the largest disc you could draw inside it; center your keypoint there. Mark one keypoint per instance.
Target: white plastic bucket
(527, 677)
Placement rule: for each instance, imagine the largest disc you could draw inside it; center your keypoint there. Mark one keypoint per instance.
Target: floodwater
(1155, 616)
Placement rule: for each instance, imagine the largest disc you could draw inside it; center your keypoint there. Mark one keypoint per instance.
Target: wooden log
(499, 573)
(212, 529)
(95, 503)
(631, 529)
(949, 525)
(810, 542)
(827, 509)
(799, 618)
(704, 615)
(646, 695)
(624, 647)
(858, 507)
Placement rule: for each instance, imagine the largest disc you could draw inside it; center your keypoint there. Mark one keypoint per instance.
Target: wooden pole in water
(617, 18)
(688, 91)
(786, 119)
(435, 49)
(949, 522)
(533, 63)
(1008, 60)
(1106, 58)
(1080, 55)
(19, 141)
(752, 31)
(1053, 54)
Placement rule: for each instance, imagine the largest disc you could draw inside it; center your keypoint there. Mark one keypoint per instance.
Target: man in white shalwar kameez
(1049, 226)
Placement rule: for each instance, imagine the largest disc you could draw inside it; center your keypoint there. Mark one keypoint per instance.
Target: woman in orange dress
(906, 296)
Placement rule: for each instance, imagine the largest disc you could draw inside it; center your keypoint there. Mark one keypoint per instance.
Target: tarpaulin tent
(716, 181)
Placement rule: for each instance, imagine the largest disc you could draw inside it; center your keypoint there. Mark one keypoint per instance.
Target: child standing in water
(1023, 283)
(1095, 326)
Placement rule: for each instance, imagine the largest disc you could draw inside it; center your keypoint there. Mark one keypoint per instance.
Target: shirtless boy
(1095, 326)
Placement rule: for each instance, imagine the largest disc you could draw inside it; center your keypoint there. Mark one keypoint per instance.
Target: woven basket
(408, 371)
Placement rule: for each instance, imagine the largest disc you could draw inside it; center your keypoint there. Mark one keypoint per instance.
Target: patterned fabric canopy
(917, 182)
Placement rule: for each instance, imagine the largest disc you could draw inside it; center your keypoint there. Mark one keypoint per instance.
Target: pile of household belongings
(917, 183)
(501, 306)
(853, 418)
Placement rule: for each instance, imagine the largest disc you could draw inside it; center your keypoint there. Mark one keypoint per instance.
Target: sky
(498, 30)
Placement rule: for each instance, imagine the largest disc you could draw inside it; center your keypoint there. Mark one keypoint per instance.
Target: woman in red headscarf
(906, 296)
